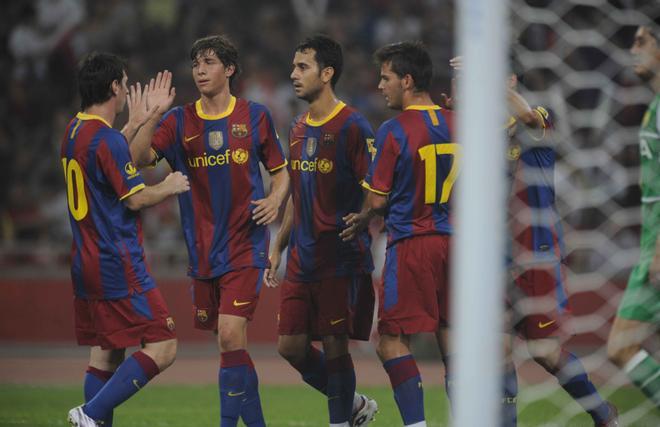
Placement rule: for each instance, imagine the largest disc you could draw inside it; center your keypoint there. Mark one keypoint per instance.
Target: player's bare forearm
(266, 209)
(374, 204)
(282, 239)
(174, 183)
(140, 146)
(129, 131)
(522, 112)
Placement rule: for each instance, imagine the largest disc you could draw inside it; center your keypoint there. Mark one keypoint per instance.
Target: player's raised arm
(174, 183)
(281, 243)
(138, 112)
(160, 95)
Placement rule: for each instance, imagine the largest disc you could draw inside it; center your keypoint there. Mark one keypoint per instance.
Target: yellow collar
(422, 107)
(228, 111)
(85, 116)
(329, 117)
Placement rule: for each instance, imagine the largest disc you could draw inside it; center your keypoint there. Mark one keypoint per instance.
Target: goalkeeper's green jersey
(649, 150)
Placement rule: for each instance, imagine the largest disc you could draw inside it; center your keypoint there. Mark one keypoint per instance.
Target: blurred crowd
(42, 41)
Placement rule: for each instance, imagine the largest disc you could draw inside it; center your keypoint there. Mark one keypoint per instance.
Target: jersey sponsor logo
(170, 323)
(311, 146)
(189, 138)
(543, 325)
(322, 165)
(216, 140)
(336, 321)
(239, 130)
(514, 152)
(238, 156)
(238, 303)
(202, 315)
(130, 170)
(371, 148)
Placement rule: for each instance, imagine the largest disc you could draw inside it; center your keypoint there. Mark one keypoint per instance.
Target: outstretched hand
(138, 112)
(355, 222)
(160, 92)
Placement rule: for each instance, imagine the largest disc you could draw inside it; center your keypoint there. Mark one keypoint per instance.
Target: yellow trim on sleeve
(133, 191)
(423, 107)
(366, 185)
(325, 120)
(276, 168)
(85, 116)
(203, 115)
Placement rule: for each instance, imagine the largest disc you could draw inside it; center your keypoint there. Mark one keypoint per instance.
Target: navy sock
(574, 379)
(132, 375)
(251, 411)
(233, 382)
(509, 414)
(95, 379)
(449, 381)
(313, 369)
(407, 385)
(341, 388)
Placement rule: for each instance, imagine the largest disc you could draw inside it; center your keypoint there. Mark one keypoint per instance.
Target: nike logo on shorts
(334, 322)
(136, 384)
(543, 325)
(234, 394)
(241, 303)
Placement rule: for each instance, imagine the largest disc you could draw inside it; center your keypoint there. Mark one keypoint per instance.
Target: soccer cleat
(365, 413)
(78, 418)
(613, 419)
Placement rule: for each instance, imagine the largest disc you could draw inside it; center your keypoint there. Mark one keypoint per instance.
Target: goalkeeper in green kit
(639, 311)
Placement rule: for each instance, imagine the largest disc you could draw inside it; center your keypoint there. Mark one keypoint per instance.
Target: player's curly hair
(96, 72)
(223, 48)
(327, 54)
(408, 58)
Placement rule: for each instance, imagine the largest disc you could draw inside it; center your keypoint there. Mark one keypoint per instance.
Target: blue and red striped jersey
(534, 223)
(415, 166)
(107, 258)
(220, 154)
(328, 161)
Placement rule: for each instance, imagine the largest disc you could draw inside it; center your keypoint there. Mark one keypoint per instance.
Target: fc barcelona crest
(216, 140)
(311, 146)
(239, 130)
(328, 138)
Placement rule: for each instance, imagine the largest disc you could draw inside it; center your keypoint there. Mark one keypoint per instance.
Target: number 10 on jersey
(429, 155)
(75, 189)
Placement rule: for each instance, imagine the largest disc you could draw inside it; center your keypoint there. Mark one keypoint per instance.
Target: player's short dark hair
(96, 72)
(223, 48)
(408, 58)
(327, 53)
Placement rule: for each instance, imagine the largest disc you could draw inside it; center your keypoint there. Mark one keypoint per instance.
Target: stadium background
(575, 54)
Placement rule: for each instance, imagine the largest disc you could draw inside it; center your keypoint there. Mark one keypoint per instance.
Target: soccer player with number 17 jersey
(410, 182)
(219, 142)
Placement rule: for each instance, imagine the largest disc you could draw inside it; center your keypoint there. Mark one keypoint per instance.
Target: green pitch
(186, 406)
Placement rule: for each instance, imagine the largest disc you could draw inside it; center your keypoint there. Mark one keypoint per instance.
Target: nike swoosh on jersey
(295, 142)
(189, 138)
(546, 324)
(234, 394)
(241, 303)
(334, 322)
(136, 384)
